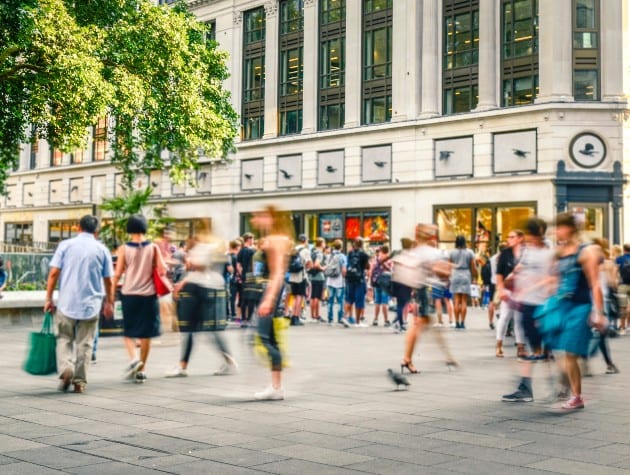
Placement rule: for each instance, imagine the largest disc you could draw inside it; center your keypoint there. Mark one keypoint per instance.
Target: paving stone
(320, 455)
(238, 456)
(165, 462)
(321, 440)
(50, 419)
(409, 455)
(390, 467)
(113, 468)
(11, 444)
(293, 466)
(477, 439)
(123, 453)
(560, 465)
(210, 466)
(25, 468)
(56, 457)
(484, 466)
(164, 443)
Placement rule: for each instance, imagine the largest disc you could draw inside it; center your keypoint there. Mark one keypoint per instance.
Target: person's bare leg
(297, 306)
(377, 309)
(276, 379)
(464, 305)
(130, 346)
(414, 331)
(438, 310)
(449, 310)
(572, 369)
(385, 313)
(491, 313)
(145, 346)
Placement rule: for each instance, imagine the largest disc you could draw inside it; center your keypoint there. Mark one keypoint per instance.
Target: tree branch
(7, 73)
(8, 52)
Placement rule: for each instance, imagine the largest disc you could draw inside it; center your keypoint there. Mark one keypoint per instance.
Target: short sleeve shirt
(84, 262)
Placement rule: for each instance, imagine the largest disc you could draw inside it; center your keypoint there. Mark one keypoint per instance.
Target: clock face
(587, 150)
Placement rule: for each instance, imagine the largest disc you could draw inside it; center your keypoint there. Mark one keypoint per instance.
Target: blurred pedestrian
(276, 227)
(357, 264)
(201, 297)
(317, 277)
(83, 267)
(335, 281)
(137, 260)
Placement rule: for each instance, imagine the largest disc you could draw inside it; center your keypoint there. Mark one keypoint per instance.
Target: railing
(27, 247)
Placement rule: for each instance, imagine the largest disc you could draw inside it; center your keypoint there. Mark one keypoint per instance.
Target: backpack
(624, 271)
(486, 273)
(333, 268)
(376, 272)
(295, 262)
(354, 270)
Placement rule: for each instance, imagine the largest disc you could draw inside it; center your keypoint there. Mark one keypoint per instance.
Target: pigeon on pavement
(398, 379)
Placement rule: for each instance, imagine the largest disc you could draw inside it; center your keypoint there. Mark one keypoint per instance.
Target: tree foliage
(150, 69)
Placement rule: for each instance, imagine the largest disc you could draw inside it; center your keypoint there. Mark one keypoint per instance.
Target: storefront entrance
(593, 219)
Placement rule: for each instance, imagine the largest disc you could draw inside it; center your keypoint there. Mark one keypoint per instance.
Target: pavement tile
(416, 456)
(25, 468)
(212, 467)
(320, 455)
(264, 443)
(123, 453)
(163, 463)
(477, 439)
(389, 467)
(483, 466)
(164, 443)
(399, 440)
(29, 430)
(293, 466)
(56, 457)
(11, 444)
(573, 467)
(489, 454)
(4, 460)
(398, 427)
(321, 440)
(331, 428)
(113, 468)
(573, 441)
(51, 419)
(238, 456)
(104, 429)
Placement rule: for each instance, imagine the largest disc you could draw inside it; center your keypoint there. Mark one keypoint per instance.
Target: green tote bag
(42, 355)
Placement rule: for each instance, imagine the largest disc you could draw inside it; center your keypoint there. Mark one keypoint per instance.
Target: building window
(78, 156)
(211, 34)
(291, 66)
(253, 115)
(99, 140)
(519, 46)
(332, 58)
(377, 61)
(461, 56)
(586, 50)
(56, 157)
(32, 162)
(60, 230)
(18, 233)
(484, 226)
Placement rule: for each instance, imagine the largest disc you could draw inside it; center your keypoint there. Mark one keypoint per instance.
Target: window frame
(253, 109)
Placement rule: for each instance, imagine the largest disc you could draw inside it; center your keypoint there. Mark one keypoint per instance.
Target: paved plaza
(341, 415)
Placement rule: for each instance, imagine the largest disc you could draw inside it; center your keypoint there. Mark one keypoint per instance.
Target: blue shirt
(83, 262)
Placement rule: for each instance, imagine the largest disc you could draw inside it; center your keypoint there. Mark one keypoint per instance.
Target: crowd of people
(561, 302)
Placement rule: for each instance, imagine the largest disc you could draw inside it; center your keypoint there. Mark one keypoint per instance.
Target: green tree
(150, 69)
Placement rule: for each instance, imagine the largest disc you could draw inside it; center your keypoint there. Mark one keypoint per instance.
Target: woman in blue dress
(566, 323)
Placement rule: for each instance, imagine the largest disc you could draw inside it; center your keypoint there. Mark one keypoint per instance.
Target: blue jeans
(337, 294)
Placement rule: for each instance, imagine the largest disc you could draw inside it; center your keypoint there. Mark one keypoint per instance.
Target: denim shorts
(381, 297)
(355, 294)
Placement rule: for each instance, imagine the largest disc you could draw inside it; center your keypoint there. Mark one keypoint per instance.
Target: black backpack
(312, 270)
(354, 270)
(295, 262)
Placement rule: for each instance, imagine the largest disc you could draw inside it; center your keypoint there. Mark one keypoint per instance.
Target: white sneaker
(176, 372)
(362, 325)
(452, 325)
(133, 368)
(438, 325)
(226, 369)
(345, 322)
(270, 394)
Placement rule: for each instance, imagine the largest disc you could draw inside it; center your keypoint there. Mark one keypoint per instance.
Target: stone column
(406, 60)
(309, 59)
(555, 56)
(611, 50)
(431, 90)
(234, 44)
(488, 42)
(271, 69)
(354, 63)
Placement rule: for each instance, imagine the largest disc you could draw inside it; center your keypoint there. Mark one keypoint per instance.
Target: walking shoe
(176, 372)
(140, 377)
(66, 379)
(229, 367)
(345, 322)
(79, 388)
(576, 402)
(612, 369)
(132, 369)
(491, 326)
(361, 325)
(375, 323)
(270, 394)
(351, 321)
(438, 325)
(522, 394)
(387, 324)
(563, 394)
(462, 326)
(452, 325)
